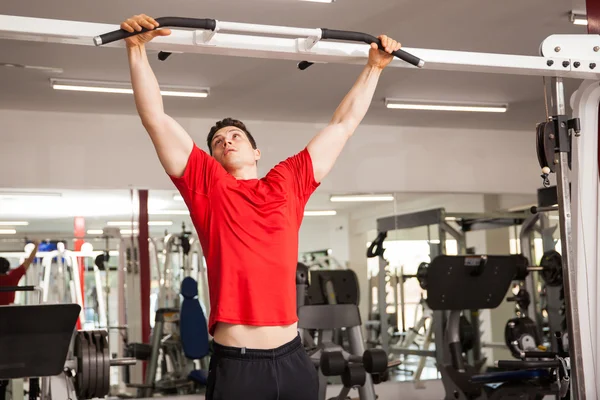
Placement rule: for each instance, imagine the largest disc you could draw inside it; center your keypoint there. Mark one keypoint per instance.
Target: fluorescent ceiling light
(361, 197)
(443, 106)
(178, 197)
(7, 231)
(319, 1)
(95, 232)
(124, 88)
(579, 19)
(128, 223)
(319, 213)
(19, 195)
(129, 232)
(169, 212)
(14, 223)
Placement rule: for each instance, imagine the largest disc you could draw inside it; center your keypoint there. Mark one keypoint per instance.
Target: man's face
(232, 149)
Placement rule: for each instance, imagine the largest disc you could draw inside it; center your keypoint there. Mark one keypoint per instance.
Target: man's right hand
(136, 23)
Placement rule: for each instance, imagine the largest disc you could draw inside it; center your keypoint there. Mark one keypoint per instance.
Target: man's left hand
(380, 58)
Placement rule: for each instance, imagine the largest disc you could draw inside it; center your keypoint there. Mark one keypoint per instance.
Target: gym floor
(385, 391)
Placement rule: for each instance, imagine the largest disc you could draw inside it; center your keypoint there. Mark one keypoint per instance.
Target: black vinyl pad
(34, 340)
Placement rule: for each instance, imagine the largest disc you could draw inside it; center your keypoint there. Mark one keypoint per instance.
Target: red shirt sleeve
(199, 175)
(15, 275)
(298, 175)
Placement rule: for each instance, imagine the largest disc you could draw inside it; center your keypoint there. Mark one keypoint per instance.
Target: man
(248, 227)
(10, 277)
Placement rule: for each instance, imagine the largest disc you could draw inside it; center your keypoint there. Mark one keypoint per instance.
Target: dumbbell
(353, 369)
(333, 363)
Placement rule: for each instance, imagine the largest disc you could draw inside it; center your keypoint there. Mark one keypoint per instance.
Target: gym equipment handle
(122, 362)
(535, 210)
(539, 354)
(366, 38)
(176, 22)
(510, 364)
(18, 289)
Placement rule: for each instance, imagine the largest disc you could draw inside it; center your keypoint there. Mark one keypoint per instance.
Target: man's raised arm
(327, 145)
(172, 143)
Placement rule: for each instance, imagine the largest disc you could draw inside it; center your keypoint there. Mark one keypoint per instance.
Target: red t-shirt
(11, 279)
(249, 234)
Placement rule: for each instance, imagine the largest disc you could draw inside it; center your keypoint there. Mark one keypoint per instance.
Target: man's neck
(245, 174)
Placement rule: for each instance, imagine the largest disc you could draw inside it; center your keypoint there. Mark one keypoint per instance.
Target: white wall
(69, 150)
(320, 233)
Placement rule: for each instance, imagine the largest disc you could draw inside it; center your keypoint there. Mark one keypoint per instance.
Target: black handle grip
(376, 247)
(511, 364)
(540, 354)
(17, 289)
(163, 22)
(368, 39)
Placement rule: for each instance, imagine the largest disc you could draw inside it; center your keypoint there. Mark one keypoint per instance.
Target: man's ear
(257, 154)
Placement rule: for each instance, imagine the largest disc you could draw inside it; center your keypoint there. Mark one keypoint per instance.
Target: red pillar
(144, 258)
(79, 231)
(593, 17)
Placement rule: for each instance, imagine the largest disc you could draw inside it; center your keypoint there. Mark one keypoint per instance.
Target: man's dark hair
(4, 266)
(228, 122)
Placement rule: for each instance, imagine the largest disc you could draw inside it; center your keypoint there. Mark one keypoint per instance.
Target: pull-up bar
(216, 26)
(569, 56)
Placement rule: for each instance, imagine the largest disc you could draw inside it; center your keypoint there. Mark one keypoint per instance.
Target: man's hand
(380, 59)
(136, 23)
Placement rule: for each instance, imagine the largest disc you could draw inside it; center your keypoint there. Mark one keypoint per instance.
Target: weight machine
(578, 59)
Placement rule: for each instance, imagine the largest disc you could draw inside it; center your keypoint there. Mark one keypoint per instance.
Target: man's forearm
(146, 90)
(355, 105)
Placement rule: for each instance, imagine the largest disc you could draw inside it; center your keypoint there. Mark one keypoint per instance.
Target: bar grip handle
(176, 22)
(366, 38)
(17, 289)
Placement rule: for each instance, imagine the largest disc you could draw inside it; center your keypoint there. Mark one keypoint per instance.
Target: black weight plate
(98, 378)
(78, 353)
(422, 275)
(93, 371)
(105, 363)
(375, 360)
(354, 375)
(332, 363)
(106, 350)
(85, 366)
(552, 273)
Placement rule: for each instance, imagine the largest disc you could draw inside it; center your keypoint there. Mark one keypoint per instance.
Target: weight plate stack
(93, 364)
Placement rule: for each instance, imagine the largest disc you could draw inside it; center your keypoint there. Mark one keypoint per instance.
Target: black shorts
(283, 373)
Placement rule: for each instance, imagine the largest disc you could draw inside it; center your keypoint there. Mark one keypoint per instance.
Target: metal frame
(578, 60)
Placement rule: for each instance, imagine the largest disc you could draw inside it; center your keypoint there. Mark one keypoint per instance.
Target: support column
(593, 17)
(144, 258)
(79, 234)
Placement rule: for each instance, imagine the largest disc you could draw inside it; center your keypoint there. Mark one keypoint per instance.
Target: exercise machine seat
(193, 328)
(510, 376)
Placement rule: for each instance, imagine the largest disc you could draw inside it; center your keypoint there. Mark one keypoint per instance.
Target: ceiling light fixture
(14, 223)
(95, 231)
(578, 19)
(319, 1)
(361, 198)
(7, 231)
(124, 88)
(169, 212)
(20, 195)
(323, 213)
(445, 106)
(136, 223)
